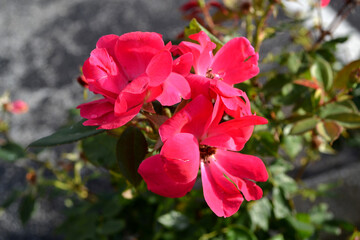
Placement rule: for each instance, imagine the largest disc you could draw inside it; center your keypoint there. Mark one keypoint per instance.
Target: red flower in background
(129, 71)
(17, 107)
(324, 3)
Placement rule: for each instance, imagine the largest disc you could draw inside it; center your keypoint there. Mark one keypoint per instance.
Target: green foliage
(100, 150)
(26, 207)
(68, 134)
(11, 152)
(131, 149)
(308, 101)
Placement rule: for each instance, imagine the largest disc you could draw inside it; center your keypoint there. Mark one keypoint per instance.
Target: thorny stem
(207, 17)
(248, 20)
(340, 16)
(258, 38)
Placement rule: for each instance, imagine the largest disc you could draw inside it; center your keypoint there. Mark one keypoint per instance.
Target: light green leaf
(281, 208)
(301, 225)
(260, 212)
(329, 130)
(174, 220)
(195, 27)
(347, 106)
(304, 125)
(67, 135)
(321, 70)
(292, 145)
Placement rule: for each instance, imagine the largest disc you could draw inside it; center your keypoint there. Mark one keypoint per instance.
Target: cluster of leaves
(310, 98)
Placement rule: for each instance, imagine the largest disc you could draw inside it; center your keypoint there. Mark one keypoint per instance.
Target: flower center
(211, 75)
(206, 152)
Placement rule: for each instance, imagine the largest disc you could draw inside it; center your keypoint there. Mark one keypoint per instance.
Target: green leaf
(67, 135)
(292, 145)
(293, 62)
(302, 225)
(321, 70)
(26, 208)
(355, 235)
(320, 213)
(348, 120)
(195, 27)
(304, 125)
(277, 237)
(240, 233)
(337, 108)
(281, 208)
(275, 84)
(260, 213)
(100, 150)
(11, 152)
(329, 130)
(343, 76)
(174, 220)
(111, 226)
(130, 151)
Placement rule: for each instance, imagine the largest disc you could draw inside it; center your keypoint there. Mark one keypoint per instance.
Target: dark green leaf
(26, 207)
(100, 150)
(342, 77)
(131, 150)
(348, 120)
(240, 233)
(67, 135)
(275, 84)
(10, 199)
(11, 152)
(304, 125)
(112, 226)
(195, 27)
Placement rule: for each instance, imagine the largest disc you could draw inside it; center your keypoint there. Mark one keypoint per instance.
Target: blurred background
(45, 42)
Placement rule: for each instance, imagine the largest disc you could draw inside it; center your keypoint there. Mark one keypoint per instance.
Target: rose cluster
(133, 70)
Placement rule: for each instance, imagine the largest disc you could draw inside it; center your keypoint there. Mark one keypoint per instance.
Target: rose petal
(159, 68)
(241, 165)
(181, 157)
(194, 118)
(158, 181)
(223, 198)
(174, 87)
(236, 61)
(135, 50)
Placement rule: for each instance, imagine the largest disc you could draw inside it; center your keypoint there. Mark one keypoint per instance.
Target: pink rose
(17, 107)
(324, 3)
(131, 70)
(195, 137)
(214, 76)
